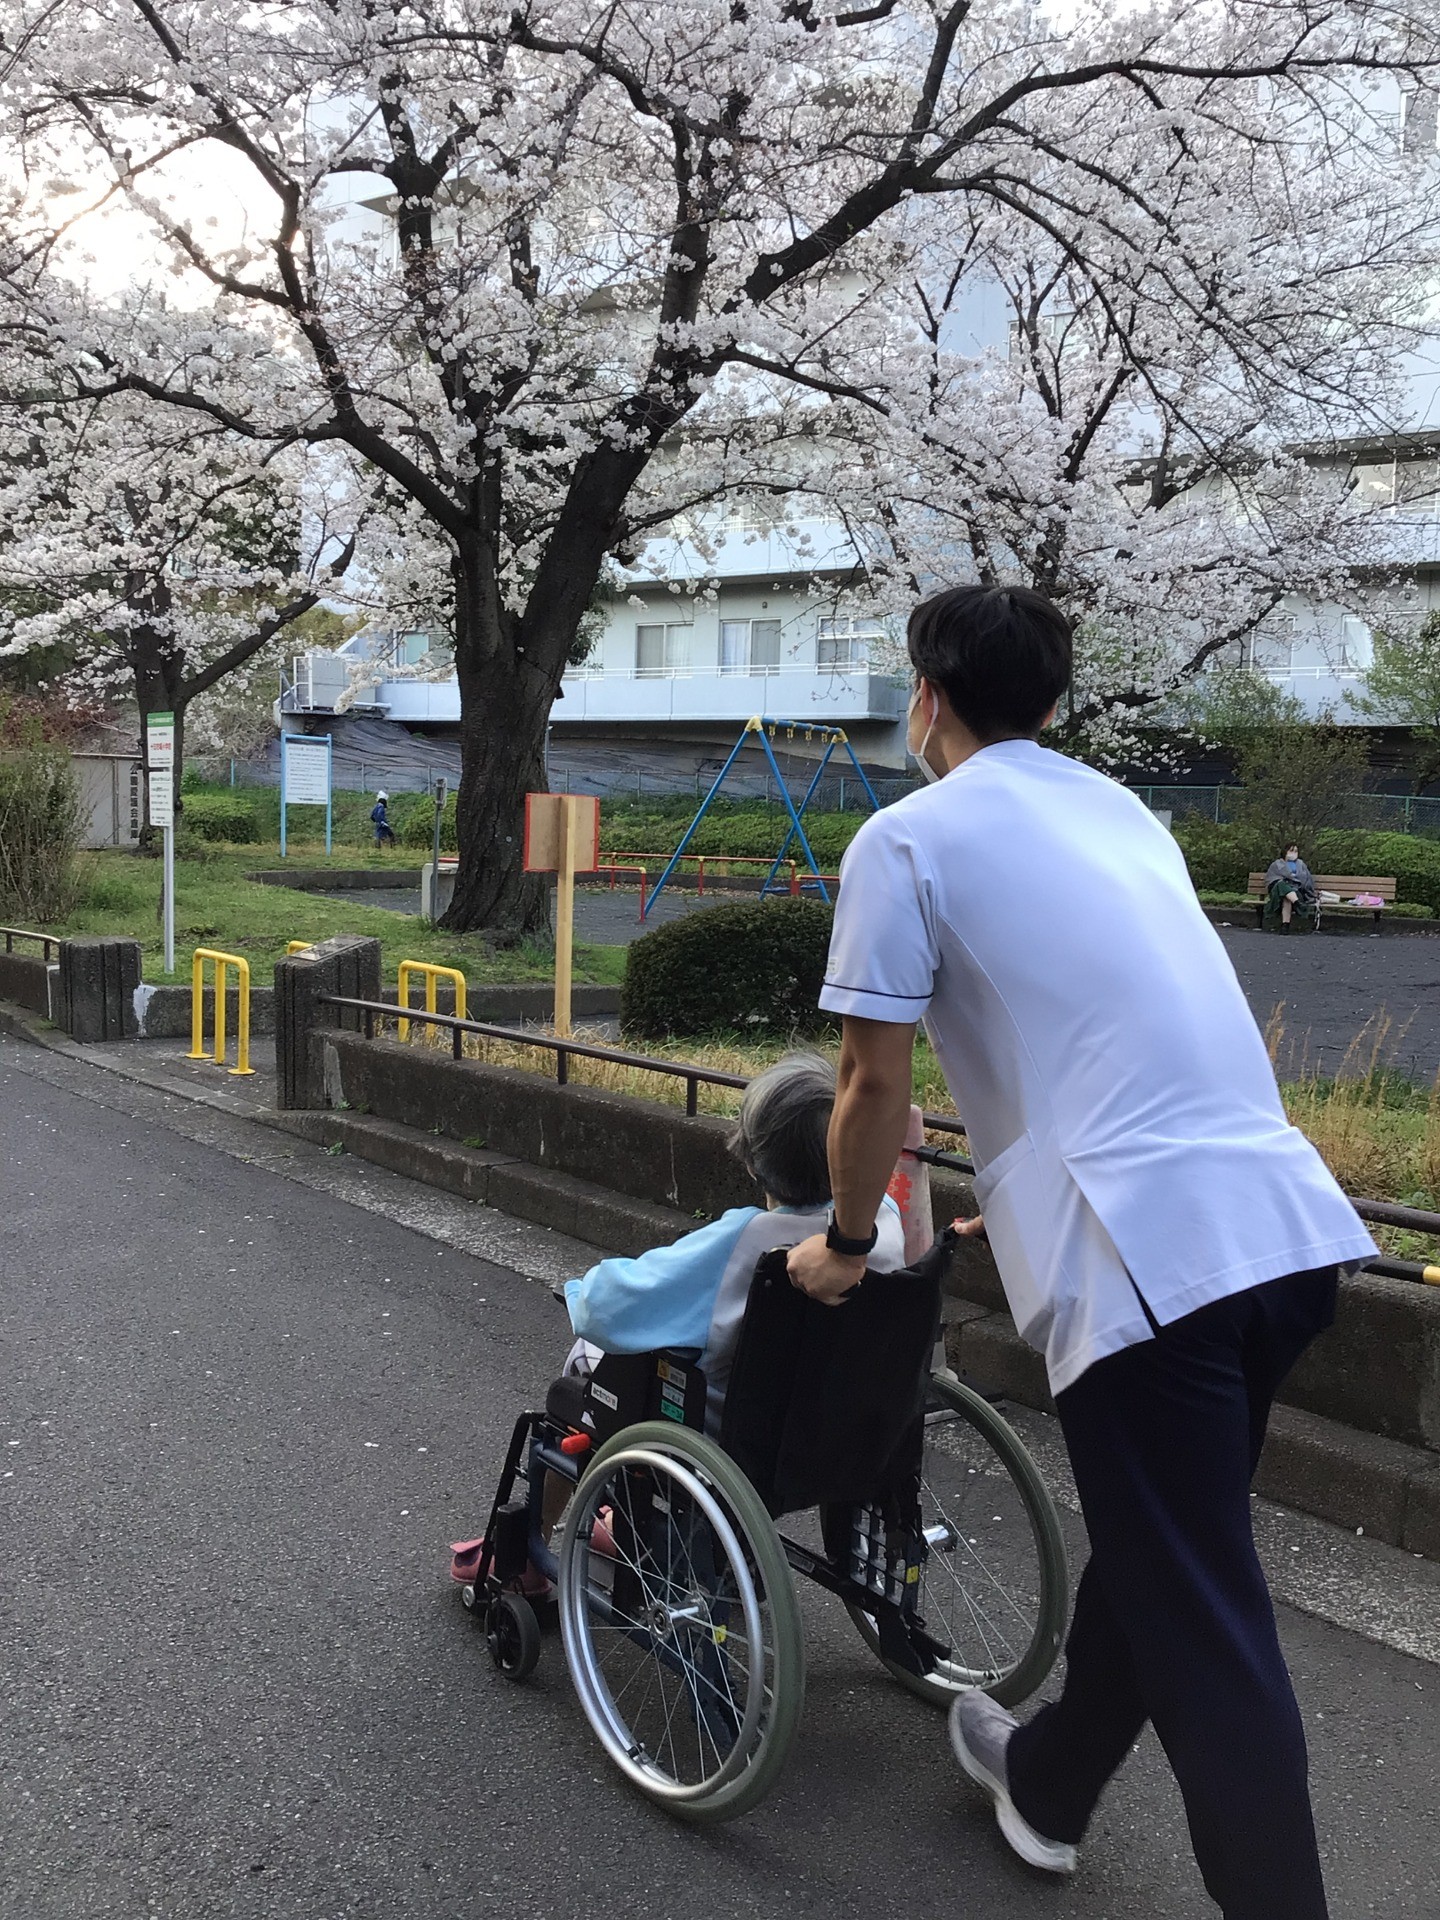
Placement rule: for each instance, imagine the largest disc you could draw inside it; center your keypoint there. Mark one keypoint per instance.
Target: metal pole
(169, 883)
(282, 796)
(329, 790)
(435, 849)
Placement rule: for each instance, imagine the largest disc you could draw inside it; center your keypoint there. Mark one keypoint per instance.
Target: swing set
(762, 731)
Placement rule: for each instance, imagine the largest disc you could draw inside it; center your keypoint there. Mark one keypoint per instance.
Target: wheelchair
(910, 1498)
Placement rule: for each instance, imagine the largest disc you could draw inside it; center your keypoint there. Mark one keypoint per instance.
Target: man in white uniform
(1165, 1237)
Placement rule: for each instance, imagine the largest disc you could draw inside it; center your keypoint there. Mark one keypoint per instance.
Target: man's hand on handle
(825, 1275)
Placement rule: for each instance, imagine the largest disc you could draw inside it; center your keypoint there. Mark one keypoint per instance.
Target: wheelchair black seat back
(675, 1591)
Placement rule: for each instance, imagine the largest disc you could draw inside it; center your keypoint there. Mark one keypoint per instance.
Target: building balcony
(818, 695)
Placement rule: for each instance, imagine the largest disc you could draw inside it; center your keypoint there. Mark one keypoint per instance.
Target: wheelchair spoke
(669, 1627)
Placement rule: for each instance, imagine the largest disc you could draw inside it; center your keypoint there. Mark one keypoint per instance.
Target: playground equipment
(762, 730)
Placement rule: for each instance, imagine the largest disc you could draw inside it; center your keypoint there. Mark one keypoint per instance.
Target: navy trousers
(1173, 1622)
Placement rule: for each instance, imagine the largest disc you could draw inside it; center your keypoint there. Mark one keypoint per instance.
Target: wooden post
(565, 915)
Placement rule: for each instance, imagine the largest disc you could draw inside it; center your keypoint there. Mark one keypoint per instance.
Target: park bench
(1347, 885)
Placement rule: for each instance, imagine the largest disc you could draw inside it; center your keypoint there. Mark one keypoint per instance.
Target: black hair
(1000, 655)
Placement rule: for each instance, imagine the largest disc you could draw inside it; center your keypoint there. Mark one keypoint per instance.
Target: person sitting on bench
(1290, 892)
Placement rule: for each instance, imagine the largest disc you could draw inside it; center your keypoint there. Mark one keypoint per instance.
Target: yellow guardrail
(297, 946)
(433, 975)
(223, 963)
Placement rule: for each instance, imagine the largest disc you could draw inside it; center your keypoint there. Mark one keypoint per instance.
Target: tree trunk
(504, 709)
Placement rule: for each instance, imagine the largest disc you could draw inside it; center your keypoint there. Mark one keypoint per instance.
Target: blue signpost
(305, 767)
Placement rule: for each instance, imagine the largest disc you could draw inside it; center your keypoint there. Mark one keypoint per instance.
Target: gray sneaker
(980, 1732)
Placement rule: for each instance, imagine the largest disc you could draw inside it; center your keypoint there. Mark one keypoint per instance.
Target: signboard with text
(160, 759)
(307, 772)
(305, 779)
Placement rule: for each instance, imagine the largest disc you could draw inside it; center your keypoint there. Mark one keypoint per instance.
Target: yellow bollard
(432, 976)
(223, 963)
(1431, 1276)
(297, 946)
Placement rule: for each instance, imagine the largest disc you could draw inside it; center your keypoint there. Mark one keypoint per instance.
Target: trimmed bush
(1414, 862)
(1222, 858)
(42, 823)
(756, 968)
(217, 816)
(418, 826)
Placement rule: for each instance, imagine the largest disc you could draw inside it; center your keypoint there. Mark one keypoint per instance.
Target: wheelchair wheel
(994, 1589)
(512, 1634)
(680, 1622)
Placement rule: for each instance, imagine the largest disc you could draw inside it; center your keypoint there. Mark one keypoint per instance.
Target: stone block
(25, 982)
(347, 964)
(96, 986)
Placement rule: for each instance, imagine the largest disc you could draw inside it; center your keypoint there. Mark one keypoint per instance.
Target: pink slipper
(465, 1561)
(465, 1569)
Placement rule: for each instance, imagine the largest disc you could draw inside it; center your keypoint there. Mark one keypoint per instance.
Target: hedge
(214, 816)
(418, 827)
(750, 828)
(757, 967)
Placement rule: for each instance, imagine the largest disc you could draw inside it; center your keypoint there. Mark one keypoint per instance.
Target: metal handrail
(566, 1049)
(46, 940)
(1385, 1213)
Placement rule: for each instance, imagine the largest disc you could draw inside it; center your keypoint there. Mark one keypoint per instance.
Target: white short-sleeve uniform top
(1120, 1104)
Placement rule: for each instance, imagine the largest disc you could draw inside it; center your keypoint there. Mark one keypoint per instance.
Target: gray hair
(780, 1134)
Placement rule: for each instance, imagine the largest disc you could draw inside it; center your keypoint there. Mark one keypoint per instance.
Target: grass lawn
(216, 906)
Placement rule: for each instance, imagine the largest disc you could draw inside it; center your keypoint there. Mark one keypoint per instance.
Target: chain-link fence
(837, 792)
(1366, 812)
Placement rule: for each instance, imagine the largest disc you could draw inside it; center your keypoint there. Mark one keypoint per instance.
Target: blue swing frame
(763, 728)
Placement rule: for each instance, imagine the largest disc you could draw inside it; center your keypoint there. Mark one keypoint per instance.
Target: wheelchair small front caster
(512, 1634)
(470, 1597)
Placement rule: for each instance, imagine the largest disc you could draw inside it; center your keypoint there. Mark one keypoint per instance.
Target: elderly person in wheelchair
(703, 1398)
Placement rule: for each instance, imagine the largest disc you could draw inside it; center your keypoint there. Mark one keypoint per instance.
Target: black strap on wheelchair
(826, 1404)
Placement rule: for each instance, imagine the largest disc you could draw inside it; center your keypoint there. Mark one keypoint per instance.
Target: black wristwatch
(852, 1249)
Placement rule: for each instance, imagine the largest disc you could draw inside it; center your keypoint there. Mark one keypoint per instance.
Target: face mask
(918, 753)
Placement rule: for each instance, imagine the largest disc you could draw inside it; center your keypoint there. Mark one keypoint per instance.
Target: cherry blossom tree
(1144, 419)
(597, 236)
(156, 555)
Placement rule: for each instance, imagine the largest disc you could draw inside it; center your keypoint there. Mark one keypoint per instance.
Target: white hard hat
(382, 794)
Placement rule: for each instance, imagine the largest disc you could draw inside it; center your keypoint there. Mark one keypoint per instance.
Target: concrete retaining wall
(337, 879)
(25, 981)
(631, 1146)
(1377, 1370)
(164, 1012)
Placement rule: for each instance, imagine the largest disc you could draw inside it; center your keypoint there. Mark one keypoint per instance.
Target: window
(661, 650)
(1355, 639)
(749, 646)
(1268, 649)
(843, 645)
(1374, 484)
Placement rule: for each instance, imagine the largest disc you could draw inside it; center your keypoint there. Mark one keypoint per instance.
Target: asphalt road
(241, 1416)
